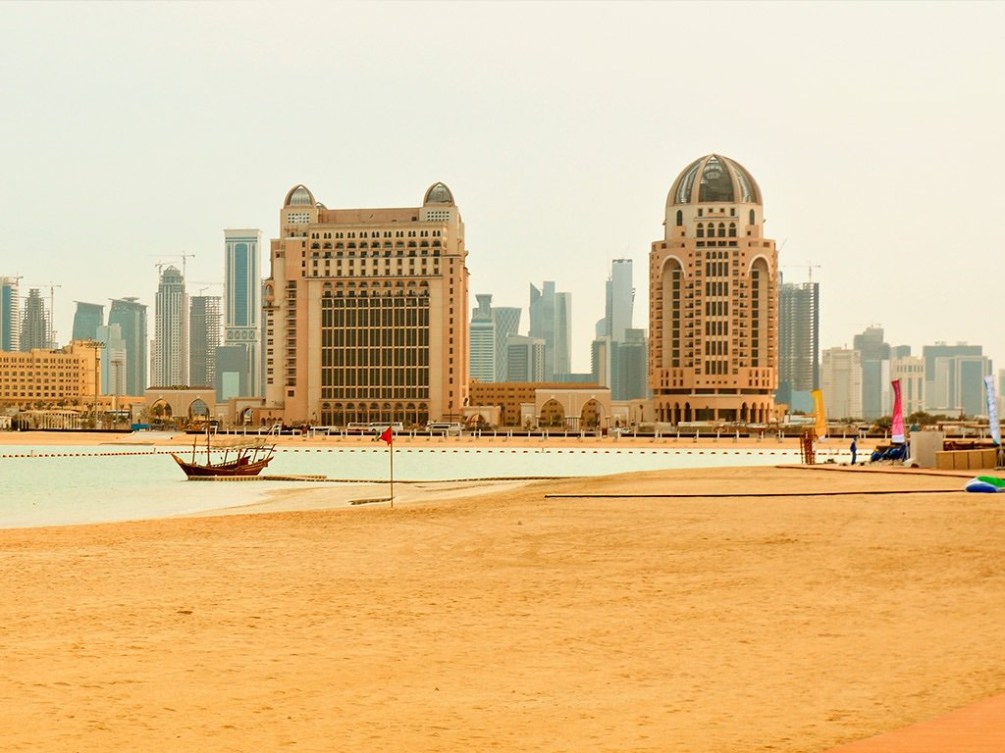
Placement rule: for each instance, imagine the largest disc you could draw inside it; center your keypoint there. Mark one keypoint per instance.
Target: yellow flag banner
(820, 425)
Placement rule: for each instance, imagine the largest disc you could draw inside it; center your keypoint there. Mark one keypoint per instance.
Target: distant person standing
(854, 450)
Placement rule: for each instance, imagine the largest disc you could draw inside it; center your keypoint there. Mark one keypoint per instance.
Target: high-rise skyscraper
(242, 304)
(619, 300)
(87, 318)
(170, 358)
(798, 340)
(10, 314)
(875, 358)
(713, 300)
(131, 318)
(629, 368)
(550, 317)
(940, 394)
(525, 358)
(34, 323)
(491, 326)
(957, 379)
(482, 363)
(910, 370)
(203, 339)
(366, 313)
(114, 359)
(507, 319)
(841, 383)
(624, 372)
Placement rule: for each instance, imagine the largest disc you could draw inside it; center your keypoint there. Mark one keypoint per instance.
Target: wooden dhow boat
(239, 458)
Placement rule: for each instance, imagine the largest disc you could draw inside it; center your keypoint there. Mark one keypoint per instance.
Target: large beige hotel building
(713, 302)
(365, 313)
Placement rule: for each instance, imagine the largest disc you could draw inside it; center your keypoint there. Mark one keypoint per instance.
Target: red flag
(386, 436)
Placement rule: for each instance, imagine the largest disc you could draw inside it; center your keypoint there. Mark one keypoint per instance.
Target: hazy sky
(130, 133)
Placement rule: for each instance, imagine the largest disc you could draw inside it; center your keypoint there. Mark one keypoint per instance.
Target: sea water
(70, 485)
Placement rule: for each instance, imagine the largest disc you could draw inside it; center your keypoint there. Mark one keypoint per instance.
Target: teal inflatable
(986, 484)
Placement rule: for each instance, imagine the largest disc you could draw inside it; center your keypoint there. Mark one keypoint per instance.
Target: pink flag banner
(897, 424)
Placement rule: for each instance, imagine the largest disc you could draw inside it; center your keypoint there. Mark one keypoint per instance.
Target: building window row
(713, 228)
(386, 247)
(377, 234)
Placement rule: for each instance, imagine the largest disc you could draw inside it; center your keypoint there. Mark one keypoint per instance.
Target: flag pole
(387, 436)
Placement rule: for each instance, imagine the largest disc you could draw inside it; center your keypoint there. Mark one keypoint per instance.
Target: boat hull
(240, 467)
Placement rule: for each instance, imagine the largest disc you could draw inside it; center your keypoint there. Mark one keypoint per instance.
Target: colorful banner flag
(996, 430)
(897, 423)
(820, 425)
(386, 436)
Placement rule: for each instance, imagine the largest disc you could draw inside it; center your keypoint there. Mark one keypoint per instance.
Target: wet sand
(520, 619)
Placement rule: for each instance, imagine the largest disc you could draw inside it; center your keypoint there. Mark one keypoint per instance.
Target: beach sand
(483, 617)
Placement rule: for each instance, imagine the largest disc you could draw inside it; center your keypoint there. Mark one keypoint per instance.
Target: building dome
(714, 178)
(299, 196)
(438, 193)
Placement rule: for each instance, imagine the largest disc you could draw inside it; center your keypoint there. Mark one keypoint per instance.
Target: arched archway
(161, 412)
(591, 416)
(198, 409)
(552, 415)
(671, 317)
(760, 292)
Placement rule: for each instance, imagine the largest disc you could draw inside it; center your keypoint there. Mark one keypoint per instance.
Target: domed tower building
(365, 313)
(713, 304)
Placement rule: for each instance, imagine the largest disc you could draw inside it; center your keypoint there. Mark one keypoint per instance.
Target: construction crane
(51, 334)
(809, 267)
(206, 285)
(183, 257)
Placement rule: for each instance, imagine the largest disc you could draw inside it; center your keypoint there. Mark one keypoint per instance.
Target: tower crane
(183, 258)
(207, 284)
(51, 334)
(809, 267)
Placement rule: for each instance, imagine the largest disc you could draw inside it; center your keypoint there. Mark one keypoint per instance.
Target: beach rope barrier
(24, 455)
(735, 495)
(353, 450)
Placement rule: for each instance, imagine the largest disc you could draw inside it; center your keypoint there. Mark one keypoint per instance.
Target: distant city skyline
(873, 149)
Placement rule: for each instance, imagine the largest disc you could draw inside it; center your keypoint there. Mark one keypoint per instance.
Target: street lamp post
(97, 376)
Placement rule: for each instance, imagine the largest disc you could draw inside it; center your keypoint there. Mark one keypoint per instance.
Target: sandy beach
(665, 611)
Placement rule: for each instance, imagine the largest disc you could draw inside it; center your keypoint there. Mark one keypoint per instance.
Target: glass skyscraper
(798, 344)
(34, 323)
(550, 313)
(86, 320)
(171, 331)
(10, 314)
(203, 339)
(131, 318)
(242, 303)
